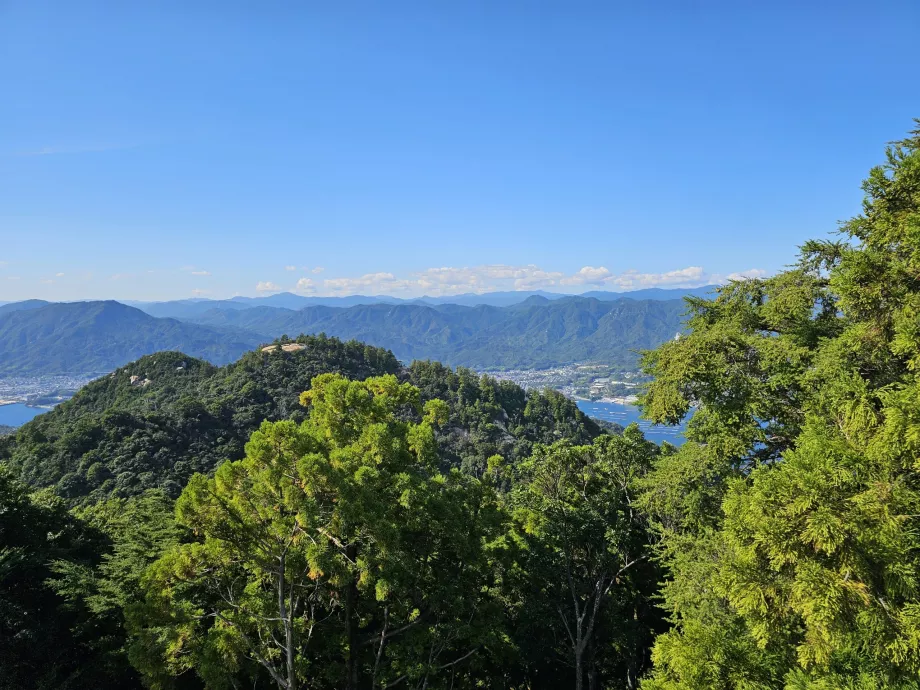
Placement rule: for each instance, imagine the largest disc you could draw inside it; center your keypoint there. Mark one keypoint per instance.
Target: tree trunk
(285, 616)
(579, 672)
(592, 669)
(351, 626)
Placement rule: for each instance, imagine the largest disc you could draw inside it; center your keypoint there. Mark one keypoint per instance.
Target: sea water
(624, 415)
(18, 414)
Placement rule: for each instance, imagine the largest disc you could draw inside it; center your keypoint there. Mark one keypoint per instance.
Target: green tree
(333, 555)
(587, 578)
(789, 523)
(134, 533)
(46, 641)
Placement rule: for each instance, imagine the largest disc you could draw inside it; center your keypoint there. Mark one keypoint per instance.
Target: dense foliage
(349, 550)
(158, 421)
(47, 641)
(790, 522)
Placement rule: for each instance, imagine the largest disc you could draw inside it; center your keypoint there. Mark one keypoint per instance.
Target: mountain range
(536, 331)
(286, 300)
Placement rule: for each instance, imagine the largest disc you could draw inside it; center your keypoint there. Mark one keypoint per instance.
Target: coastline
(618, 399)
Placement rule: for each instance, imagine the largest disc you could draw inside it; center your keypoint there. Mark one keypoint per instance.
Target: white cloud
(691, 276)
(372, 283)
(201, 273)
(120, 276)
(267, 287)
(750, 273)
(586, 275)
(452, 280)
(12, 277)
(59, 275)
(47, 281)
(318, 269)
(306, 286)
(290, 268)
(200, 293)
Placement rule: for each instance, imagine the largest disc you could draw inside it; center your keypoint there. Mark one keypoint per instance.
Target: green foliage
(489, 417)
(335, 554)
(789, 524)
(137, 531)
(584, 564)
(156, 422)
(47, 641)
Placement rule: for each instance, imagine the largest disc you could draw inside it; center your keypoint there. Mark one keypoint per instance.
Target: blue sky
(166, 150)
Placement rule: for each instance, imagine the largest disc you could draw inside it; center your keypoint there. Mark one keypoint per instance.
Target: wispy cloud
(744, 275)
(447, 280)
(318, 269)
(306, 286)
(267, 287)
(201, 273)
(59, 275)
(290, 268)
(12, 277)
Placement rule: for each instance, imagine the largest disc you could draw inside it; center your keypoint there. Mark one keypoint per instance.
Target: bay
(624, 415)
(18, 414)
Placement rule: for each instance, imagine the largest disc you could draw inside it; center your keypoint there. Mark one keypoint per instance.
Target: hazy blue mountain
(288, 300)
(10, 307)
(534, 333)
(187, 309)
(86, 337)
(539, 331)
(492, 299)
(192, 308)
(654, 293)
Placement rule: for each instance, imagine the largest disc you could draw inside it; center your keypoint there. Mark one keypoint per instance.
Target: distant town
(41, 391)
(595, 382)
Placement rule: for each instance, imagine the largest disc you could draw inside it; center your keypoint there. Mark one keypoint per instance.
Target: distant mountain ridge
(189, 308)
(38, 338)
(533, 334)
(95, 337)
(25, 305)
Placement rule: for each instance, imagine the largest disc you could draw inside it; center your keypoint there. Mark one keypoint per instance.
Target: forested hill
(155, 422)
(86, 337)
(535, 333)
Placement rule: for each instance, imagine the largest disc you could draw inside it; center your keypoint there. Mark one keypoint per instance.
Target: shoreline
(619, 400)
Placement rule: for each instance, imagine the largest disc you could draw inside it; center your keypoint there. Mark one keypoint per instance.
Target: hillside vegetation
(393, 527)
(157, 421)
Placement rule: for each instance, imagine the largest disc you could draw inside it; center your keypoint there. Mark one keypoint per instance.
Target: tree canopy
(790, 524)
